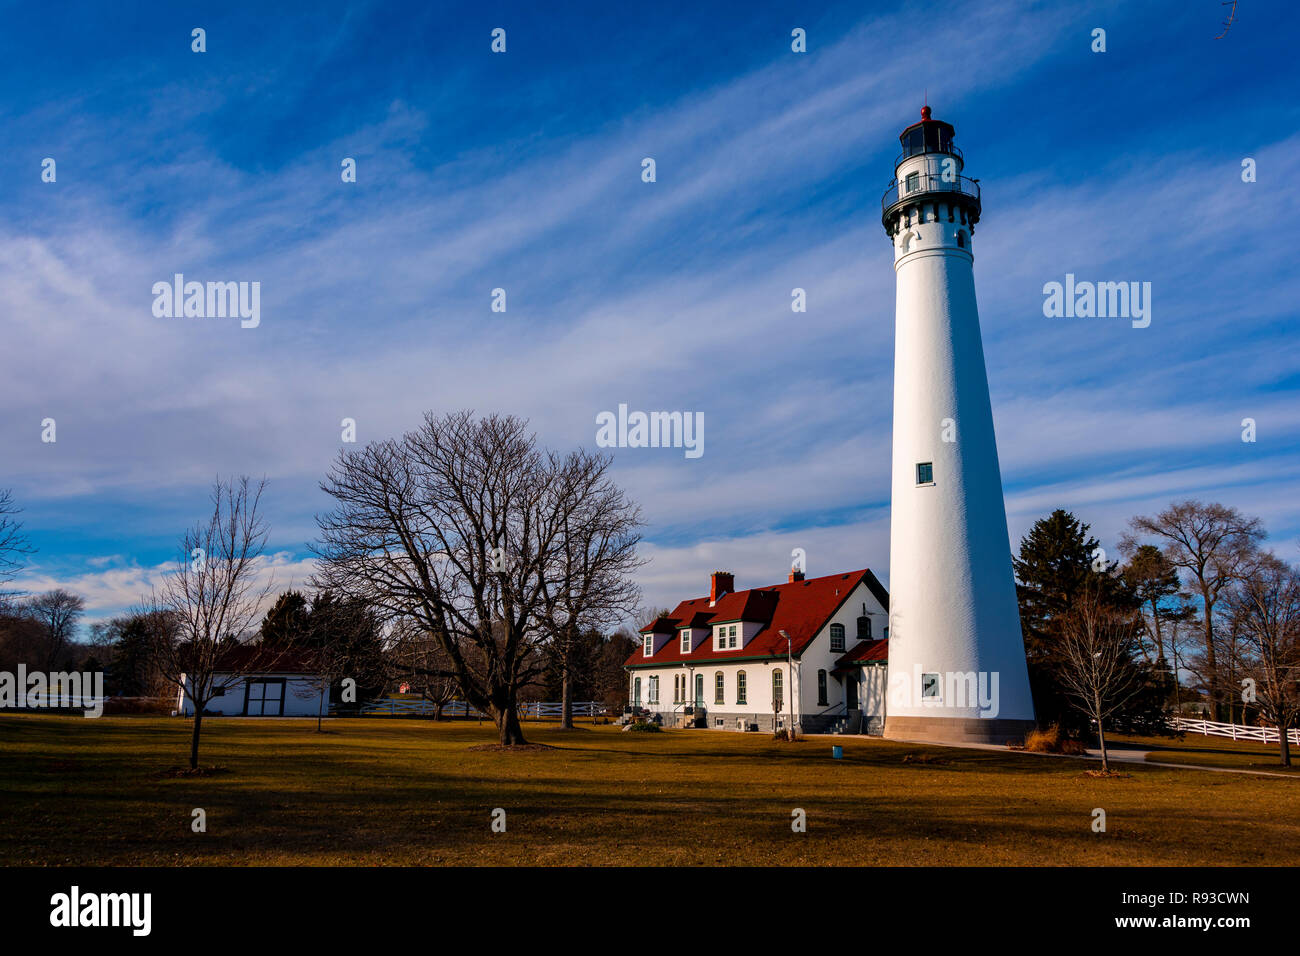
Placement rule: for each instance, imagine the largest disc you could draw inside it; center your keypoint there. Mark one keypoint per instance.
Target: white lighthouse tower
(956, 656)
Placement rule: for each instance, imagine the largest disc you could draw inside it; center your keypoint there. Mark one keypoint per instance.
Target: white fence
(1211, 728)
(553, 708)
(418, 707)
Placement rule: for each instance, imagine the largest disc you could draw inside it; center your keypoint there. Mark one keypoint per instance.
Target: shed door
(265, 698)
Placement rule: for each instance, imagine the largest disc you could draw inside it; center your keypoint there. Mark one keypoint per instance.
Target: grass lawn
(1205, 751)
(78, 791)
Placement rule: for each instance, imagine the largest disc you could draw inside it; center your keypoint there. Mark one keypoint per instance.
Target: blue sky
(523, 171)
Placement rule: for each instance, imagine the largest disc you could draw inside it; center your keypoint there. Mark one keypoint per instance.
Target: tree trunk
(1101, 736)
(194, 738)
(1284, 743)
(566, 698)
(1216, 698)
(510, 733)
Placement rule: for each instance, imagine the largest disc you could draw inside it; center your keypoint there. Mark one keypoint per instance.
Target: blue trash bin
(837, 751)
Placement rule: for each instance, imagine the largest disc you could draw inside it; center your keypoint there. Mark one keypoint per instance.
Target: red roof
(863, 652)
(800, 608)
(254, 658)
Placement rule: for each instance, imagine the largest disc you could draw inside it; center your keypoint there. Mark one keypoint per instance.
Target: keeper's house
(724, 662)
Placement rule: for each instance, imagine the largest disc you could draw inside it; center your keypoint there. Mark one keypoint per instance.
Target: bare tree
(589, 586)
(214, 601)
(57, 613)
(1095, 666)
(1264, 605)
(1183, 629)
(1154, 583)
(1211, 543)
(418, 660)
(458, 526)
(13, 543)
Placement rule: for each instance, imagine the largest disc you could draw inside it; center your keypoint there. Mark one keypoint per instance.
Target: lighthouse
(956, 656)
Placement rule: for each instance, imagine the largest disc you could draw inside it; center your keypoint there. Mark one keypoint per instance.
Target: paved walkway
(1118, 755)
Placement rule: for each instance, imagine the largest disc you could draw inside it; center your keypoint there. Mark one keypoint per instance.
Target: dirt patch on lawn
(510, 748)
(193, 771)
(933, 759)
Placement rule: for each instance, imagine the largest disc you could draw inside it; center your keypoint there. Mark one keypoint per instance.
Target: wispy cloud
(667, 295)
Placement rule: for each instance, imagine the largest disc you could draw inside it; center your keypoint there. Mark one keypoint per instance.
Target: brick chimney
(720, 583)
(795, 575)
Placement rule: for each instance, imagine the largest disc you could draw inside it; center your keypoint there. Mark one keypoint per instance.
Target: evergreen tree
(1155, 585)
(285, 624)
(1058, 562)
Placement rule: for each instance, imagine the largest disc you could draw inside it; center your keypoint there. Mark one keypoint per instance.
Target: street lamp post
(789, 692)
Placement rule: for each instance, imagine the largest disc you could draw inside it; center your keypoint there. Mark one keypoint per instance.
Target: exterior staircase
(850, 723)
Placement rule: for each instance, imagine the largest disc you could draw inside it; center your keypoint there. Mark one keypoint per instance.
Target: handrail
(832, 707)
(927, 183)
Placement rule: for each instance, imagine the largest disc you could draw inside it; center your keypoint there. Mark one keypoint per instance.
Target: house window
(925, 473)
(776, 689)
(913, 182)
(686, 641)
(740, 688)
(821, 688)
(699, 690)
(731, 636)
(719, 688)
(864, 628)
(654, 690)
(837, 637)
(677, 689)
(265, 698)
(636, 692)
(930, 687)
(649, 645)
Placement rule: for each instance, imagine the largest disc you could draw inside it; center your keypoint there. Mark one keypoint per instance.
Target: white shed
(283, 684)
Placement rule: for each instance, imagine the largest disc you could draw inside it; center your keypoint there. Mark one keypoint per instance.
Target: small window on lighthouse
(929, 686)
(925, 473)
(961, 239)
(913, 182)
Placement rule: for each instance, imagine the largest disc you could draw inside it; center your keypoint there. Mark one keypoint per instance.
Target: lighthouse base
(957, 730)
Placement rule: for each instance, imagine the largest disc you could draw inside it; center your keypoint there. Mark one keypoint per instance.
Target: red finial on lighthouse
(925, 112)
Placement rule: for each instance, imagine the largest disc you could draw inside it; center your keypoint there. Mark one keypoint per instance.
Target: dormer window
(726, 637)
(686, 640)
(649, 645)
(864, 628)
